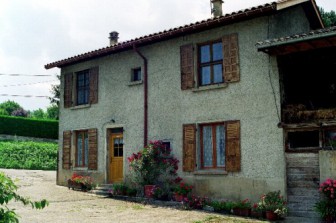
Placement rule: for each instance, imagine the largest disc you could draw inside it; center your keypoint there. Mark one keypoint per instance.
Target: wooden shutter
(94, 76)
(189, 147)
(231, 58)
(233, 146)
(187, 66)
(66, 158)
(68, 90)
(93, 149)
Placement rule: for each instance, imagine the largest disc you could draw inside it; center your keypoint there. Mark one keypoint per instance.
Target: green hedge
(28, 155)
(37, 128)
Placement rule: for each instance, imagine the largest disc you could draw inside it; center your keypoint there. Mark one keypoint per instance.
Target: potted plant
(326, 207)
(79, 182)
(257, 210)
(181, 191)
(274, 204)
(242, 208)
(153, 165)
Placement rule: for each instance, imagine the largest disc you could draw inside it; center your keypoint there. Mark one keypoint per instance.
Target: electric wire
(28, 75)
(17, 85)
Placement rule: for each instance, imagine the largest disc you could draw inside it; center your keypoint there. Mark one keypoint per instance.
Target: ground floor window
(82, 148)
(212, 140)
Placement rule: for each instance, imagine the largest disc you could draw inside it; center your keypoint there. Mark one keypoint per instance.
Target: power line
(28, 75)
(15, 85)
(25, 96)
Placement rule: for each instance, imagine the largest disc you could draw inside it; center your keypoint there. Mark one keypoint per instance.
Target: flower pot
(270, 215)
(149, 191)
(256, 214)
(244, 212)
(178, 197)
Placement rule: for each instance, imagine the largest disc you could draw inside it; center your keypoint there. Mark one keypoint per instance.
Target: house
(222, 93)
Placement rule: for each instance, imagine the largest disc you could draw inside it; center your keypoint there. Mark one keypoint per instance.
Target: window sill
(210, 172)
(80, 168)
(132, 83)
(210, 87)
(80, 107)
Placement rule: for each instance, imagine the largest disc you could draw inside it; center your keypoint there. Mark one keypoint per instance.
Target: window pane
(220, 145)
(79, 150)
(80, 97)
(207, 146)
(217, 51)
(303, 139)
(86, 145)
(205, 76)
(218, 77)
(205, 54)
(116, 146)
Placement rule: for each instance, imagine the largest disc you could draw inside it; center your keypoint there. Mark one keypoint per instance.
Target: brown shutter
(94, 76)
(231, 58)
(233, 146)
(189, 147)
(93, 149)
(66, 159)
(187, 66)
(68, 90)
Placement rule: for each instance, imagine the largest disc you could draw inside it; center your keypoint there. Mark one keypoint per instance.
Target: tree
(55, 91)
(20, 112)
(7, 194)
(52, 112)
(39, 113)
(328, 18)
(8, 107)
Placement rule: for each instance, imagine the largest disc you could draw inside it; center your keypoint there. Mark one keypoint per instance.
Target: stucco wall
(327, 160)
(254, 100)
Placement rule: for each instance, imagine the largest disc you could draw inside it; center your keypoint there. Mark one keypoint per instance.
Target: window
(212, 140)
(211, 63)
(330, 139)
(219, 146)
(83, 87)
(303, 139)
(217, 62)
(136, 74)
(82, 149)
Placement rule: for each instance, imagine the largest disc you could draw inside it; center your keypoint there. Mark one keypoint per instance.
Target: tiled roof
(314, 34)
(168, 34)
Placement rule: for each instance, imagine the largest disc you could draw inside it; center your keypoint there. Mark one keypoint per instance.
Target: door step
(102, 190)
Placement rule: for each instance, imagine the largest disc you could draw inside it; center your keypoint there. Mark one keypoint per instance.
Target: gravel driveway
(74, 206)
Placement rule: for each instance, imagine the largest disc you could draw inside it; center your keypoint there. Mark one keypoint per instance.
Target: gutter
(145, 77)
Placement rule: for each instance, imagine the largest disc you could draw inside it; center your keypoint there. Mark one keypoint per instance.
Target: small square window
(136, 74)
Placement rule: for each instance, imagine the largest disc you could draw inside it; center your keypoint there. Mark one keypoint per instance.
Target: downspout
(145, 79)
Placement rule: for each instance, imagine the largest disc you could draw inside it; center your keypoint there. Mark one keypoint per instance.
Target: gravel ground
(74, 206)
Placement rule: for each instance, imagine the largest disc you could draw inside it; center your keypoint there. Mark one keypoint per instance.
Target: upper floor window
(83, 87)
(211, 63)
(136, 74)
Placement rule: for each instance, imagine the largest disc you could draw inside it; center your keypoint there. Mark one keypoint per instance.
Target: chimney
(217, 7)
(113, 38)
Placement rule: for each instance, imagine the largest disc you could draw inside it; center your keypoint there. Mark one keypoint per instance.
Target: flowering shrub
(244, 204)
(183, 189)
(328, 188)
(153, 165)
(273, 201)
(327, 206)
(87, 181)
(194, 202)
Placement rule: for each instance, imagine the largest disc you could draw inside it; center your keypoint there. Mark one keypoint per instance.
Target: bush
(28, 127)
(28, 155)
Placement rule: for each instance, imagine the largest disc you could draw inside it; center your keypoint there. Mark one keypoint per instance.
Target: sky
(37, 32)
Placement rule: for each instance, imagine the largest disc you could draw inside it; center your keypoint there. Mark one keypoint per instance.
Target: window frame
(214, 146)
(82, 133)
(211, 63)
(85, 88)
